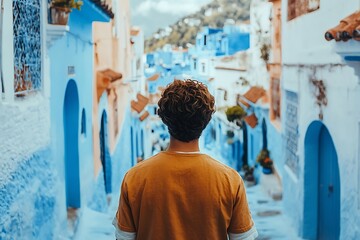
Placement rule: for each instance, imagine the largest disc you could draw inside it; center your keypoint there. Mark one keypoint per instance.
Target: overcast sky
(151, 15)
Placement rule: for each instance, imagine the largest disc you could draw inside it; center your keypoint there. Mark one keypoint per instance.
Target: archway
(264, 134)
(71, 145)
(245, 144)
(322, 185)
(104, 153)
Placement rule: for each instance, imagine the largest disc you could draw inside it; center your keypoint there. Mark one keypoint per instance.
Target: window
(275, 99)
(83, 123)
(203, 67)
(27, 46)
(204, 40)
(195, 64)
(297, 8)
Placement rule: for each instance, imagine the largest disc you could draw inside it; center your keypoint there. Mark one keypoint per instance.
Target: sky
(151, 15)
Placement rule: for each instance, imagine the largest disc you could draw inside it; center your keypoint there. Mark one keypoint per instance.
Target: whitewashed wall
(307, 55)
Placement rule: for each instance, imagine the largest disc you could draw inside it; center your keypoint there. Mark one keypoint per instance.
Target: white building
(321, 123)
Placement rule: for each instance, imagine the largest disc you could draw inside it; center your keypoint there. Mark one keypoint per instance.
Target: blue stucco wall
(121, 158)
(29, 199)
(75, 49)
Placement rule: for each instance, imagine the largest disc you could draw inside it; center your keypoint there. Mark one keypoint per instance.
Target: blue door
(105, 154)
(71, 144)
(328, 189)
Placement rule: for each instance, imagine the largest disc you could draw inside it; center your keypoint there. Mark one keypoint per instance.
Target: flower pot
(266, 170)
(59, 15)
(230, 140)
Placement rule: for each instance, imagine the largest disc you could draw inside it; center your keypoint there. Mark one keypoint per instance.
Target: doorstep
(271, 184)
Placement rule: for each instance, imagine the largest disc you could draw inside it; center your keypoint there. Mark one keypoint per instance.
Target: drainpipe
(1, 29)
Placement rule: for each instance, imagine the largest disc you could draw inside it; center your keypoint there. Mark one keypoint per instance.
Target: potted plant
(249, 175)
(264, 160)
(235, 114)
(230, 136)
(60, 9)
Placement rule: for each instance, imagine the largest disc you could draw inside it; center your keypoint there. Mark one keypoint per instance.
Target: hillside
(214, 14)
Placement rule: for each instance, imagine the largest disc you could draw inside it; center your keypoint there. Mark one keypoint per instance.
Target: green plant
(235, 114)
(264, 159)
(67, 4)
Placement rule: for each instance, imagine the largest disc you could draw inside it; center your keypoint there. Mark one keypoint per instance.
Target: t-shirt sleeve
(241, 220)
(125, 220)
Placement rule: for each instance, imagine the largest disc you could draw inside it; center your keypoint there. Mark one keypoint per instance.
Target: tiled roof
(348, 28)
(251, 120)
(140, 104)
(254, 94)
(142, 98)
(110, 75)
(134, 32)
(106, 79)
(104, 7)
(144, 116)
(243, 102)
(154, 77)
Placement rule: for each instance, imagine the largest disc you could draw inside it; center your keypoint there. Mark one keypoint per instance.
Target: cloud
(147, 7)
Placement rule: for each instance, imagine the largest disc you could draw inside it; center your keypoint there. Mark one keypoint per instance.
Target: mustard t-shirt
(175, 196)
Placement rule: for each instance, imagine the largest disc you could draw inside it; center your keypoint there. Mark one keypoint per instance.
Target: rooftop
(348, 28)
(251, 120)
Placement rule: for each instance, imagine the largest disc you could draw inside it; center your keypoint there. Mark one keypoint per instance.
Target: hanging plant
(235, 114)
(60, 10)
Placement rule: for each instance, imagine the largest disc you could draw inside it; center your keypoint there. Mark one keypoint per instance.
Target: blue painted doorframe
(105, 154)
(321, 185)
(71, 144)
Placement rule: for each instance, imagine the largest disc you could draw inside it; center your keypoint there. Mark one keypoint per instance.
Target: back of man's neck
(179, 146)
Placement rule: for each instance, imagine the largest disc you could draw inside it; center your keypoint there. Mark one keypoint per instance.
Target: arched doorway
(322, 185)
(71, 145)
(104, 153)
(245, 144)
(264, 134)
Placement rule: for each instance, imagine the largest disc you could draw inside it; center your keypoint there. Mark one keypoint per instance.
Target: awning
(154, 77)
(106, 79)
(144, 116)
(140, 104)
(251, 120)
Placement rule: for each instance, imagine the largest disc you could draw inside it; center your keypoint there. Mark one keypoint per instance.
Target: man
(182, 194)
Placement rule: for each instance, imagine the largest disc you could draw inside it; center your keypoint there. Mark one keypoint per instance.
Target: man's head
(186, 108)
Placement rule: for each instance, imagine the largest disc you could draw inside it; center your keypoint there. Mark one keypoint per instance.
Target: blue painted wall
(74, 50)
(28, 201)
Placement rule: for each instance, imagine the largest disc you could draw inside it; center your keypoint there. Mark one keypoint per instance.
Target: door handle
(331, 188)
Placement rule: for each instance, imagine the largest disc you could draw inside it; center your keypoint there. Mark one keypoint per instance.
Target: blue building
(71, 71)
(214, 42)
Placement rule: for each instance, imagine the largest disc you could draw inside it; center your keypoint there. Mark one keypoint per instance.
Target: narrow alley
(80, 84)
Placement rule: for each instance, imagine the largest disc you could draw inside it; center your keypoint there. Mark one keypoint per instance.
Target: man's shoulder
(219, 166)
(144, 165)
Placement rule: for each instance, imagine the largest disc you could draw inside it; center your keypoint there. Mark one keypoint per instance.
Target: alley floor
(268, 216)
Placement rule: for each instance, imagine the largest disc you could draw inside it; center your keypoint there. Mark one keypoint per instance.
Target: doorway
(322, 185)
(71, 145)
(105, 154)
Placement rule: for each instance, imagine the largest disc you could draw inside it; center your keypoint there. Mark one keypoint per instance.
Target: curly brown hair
(186, 108)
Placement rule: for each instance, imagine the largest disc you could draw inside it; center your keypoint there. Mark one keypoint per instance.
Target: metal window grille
(291, 132)
(27, 46)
